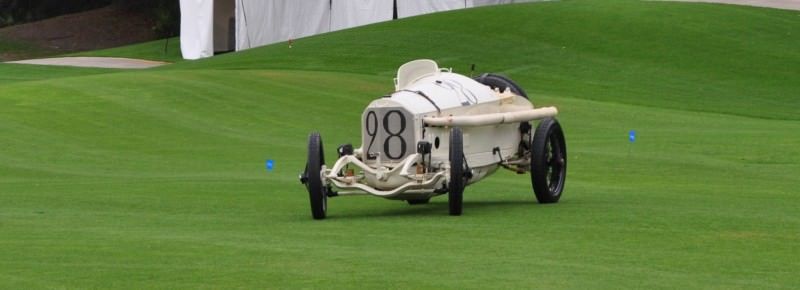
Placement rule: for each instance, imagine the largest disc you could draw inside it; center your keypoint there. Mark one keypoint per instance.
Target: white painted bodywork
(430, 101)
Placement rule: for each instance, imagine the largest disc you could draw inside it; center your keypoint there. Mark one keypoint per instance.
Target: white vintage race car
(437, 133)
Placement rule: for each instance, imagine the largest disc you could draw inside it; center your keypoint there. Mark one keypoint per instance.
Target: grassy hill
(168, 50)
(156, 179)
(653, 54)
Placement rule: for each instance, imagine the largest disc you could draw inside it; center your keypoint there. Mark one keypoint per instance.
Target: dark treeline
(165, 13)
(21, 11)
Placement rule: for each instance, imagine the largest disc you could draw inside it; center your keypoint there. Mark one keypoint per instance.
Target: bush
(22, 11)
(165, 13)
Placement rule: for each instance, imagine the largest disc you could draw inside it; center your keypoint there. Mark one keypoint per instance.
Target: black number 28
(371, 124)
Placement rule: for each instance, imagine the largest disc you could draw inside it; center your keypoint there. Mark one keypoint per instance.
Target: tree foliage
(21, 11)
(165, 13)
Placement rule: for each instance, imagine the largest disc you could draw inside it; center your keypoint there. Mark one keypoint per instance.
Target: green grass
(167, 50)
(671, 55)
(11, 50)
(155, 178)
(13, 73)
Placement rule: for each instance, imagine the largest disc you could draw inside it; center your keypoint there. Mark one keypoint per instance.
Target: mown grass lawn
(156, 179)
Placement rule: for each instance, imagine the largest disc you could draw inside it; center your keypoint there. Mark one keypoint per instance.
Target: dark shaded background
(165, 13)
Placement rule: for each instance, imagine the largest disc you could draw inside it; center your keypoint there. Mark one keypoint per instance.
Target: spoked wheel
(457, 175)
(317, 193)
(549, 161)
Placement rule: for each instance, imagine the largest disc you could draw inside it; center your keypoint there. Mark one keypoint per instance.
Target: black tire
(457, 175)
(549, 161)
(501, 82)
(418, 201)
(316, 190)
(497, 81)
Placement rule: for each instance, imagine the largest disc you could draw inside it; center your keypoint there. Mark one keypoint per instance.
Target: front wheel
(549, 161)
(316, 189)
(455, 194)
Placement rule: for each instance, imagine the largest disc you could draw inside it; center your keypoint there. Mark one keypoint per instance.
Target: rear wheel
(502, 83)
(496, 81)
(549, 161)
(317, 192)
(457, 174)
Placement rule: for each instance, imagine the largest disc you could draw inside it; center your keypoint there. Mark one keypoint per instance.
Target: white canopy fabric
(207, 25)
(352, 13)
(408, 8)
(498, 2)
(197, 28)
(262, 22)
(491, 2)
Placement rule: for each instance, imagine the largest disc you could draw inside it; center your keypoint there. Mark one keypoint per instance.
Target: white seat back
(414, 70)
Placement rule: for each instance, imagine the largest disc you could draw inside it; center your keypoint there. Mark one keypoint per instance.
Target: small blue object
(270, 164)
(632, 136)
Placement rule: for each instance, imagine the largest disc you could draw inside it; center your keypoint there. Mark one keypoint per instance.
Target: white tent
(261, 22)
(209, 26)
(352, 13)
(197, 28)
(408, 8)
